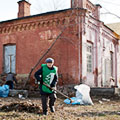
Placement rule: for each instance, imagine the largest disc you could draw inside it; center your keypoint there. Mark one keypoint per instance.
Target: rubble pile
(21, 107)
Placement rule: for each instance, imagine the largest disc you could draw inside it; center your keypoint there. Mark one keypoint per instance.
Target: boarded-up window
(9, 58)
(89, 57)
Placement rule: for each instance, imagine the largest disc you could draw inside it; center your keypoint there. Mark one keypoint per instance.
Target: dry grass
(30, 109)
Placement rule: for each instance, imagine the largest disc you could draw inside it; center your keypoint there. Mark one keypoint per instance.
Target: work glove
(53, 89)
(38, 82)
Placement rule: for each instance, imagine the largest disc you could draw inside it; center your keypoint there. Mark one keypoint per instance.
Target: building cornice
(32, 25)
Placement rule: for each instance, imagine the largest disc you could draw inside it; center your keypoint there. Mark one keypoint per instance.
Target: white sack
(83, 92)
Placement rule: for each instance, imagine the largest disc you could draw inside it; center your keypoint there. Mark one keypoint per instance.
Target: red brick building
(84, 50)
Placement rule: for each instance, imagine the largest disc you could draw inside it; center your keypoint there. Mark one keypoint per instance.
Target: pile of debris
(21, 107)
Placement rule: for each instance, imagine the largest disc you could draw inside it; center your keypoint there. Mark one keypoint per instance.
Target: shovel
(71, 101)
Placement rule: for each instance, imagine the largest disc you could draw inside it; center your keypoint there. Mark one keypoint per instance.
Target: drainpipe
(80, 49)
(96, 55)
(79, 45)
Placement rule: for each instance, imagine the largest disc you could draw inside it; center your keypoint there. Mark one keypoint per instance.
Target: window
(89, 57)
(9, 58)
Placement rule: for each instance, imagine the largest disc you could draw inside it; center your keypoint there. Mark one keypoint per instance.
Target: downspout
(79, 51)
(96, 66)
(79, 46)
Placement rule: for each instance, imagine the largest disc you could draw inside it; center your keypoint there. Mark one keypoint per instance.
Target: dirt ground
(30, 109)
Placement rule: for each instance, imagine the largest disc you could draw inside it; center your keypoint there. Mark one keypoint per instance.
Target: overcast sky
(9, 8)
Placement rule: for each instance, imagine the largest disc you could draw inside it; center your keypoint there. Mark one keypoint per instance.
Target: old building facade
(86, 51)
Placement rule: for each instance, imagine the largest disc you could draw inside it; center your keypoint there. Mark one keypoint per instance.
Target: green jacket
(48, 76)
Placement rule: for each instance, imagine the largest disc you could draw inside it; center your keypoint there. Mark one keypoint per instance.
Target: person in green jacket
(49, 75)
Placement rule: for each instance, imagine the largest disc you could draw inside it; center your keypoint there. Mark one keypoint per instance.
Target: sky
(9, 8)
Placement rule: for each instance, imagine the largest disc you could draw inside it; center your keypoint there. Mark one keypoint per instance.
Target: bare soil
(31, 109)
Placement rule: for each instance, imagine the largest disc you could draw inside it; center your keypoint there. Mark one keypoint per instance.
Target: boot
(52, 109)
(45, 113)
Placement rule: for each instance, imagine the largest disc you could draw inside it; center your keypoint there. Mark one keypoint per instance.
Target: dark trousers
(10, 84)
(44, 98)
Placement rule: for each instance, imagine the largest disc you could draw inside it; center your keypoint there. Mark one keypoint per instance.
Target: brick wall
(35, 34)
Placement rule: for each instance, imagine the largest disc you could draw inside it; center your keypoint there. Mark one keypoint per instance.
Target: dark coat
(11, 77)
